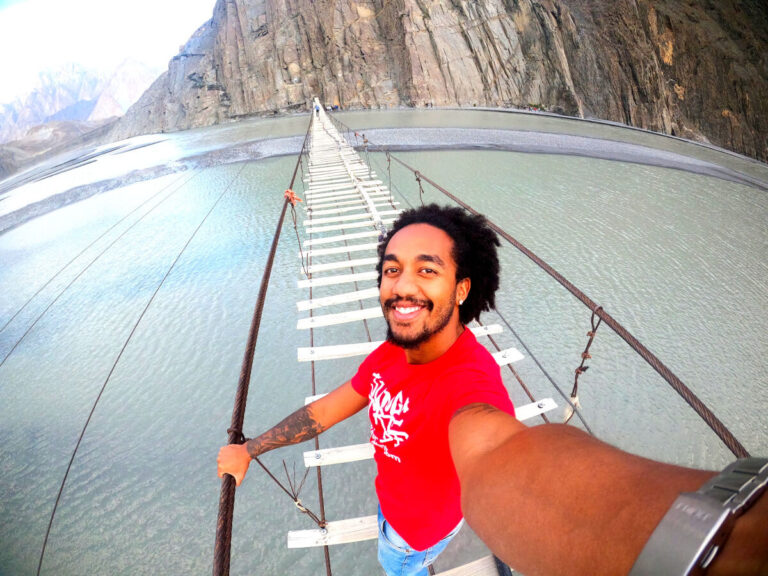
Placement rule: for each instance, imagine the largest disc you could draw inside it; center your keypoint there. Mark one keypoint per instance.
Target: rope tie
(237, 436)
(582, 367)
(421, 187)
(294, 491)
(221, 552)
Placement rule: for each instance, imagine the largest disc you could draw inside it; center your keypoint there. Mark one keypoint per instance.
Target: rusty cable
(117, 359)
(99, 255)
(715, 424)
(103, 234)
(227, 495)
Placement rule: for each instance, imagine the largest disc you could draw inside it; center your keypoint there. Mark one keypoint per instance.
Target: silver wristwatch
(697, 525)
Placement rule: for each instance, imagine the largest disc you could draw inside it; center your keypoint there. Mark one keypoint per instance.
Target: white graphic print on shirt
(384, 410)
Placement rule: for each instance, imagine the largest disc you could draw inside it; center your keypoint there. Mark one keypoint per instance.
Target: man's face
(418, 290)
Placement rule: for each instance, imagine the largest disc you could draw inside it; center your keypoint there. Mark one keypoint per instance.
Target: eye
(429, 271)
(389, 270)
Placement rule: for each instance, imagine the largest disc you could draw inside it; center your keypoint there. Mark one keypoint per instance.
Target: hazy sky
(40, 34)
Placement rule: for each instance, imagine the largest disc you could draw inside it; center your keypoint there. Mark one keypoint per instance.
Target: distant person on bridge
(548, 499)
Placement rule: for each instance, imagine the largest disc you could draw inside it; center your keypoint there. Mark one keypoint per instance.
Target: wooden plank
(310, 399)
(528, 411)
(350, 208)
(485, 566)
(355, 201)
(315, 197)
(341, 192)
(338, 299)
(349, 226)
(340, 455)
(313, 193)
(333, 352)
(508, 356)
(328, 177)
(346, 218)
(351, 196)
(337, 227)
(487, 330)
(312, 354)
(344, 195)
(341, 238)
(336, 532)
(338, 279)
(339, 250)
(312, 269)
(340, 318)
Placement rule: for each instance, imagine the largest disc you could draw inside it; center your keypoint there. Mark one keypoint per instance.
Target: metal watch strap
(697, 525)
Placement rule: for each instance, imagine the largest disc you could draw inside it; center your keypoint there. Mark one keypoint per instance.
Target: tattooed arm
(551, 499)
(304, 424)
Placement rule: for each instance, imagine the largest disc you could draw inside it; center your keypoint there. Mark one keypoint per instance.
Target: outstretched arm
(304, 424)
(549, 497)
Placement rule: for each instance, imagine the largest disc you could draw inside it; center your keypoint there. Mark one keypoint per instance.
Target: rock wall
(693, 68)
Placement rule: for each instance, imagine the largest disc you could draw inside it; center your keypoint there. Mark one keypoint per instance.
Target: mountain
(67, 105)
(76, 94)
(693, 68)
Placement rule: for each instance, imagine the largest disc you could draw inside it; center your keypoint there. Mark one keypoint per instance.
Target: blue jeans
(398, 558)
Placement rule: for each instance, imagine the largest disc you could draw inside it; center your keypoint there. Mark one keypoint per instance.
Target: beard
(410, 342)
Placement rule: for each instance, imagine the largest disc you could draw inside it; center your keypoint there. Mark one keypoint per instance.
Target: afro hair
(474, 251)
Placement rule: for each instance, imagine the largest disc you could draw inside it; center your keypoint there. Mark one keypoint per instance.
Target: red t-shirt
(410, 407)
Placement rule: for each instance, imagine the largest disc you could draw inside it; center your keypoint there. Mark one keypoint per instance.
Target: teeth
(407, 310)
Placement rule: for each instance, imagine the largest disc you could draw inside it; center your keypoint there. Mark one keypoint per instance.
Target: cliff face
(693, 68)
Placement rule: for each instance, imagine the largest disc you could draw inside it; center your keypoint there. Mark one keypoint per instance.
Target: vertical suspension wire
(114, 366)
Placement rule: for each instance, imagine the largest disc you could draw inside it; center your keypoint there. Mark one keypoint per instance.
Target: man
(438, 269)
(546, 499)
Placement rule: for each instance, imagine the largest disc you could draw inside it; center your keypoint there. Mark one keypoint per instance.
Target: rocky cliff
(694, 68)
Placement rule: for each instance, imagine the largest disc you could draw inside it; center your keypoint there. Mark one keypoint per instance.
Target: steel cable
(52, 278)
(686, 393)
(114, 365)
(221, 553)
(99, 255)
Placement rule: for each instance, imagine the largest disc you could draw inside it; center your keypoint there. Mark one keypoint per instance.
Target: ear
(462, 289)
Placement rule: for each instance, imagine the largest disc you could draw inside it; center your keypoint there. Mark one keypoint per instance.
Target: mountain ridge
(694, 69)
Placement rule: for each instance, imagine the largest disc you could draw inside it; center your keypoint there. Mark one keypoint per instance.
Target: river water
(677, 256)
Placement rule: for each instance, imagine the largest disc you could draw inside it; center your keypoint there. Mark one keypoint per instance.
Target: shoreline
(381, 140)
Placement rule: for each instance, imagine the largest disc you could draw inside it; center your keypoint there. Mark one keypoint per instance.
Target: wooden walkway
(347, 210)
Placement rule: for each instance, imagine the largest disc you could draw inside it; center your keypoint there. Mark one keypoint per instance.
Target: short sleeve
(466, 387)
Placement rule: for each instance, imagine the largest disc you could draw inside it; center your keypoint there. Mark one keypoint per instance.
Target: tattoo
(477, 408)
(297, 427)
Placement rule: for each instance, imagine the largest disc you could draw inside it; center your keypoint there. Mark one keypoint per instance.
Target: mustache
(392, 302)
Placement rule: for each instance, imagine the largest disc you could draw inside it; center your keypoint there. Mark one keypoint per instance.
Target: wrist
(252, 447)
(697, 526)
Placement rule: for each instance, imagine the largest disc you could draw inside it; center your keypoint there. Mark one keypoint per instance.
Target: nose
(405, 285)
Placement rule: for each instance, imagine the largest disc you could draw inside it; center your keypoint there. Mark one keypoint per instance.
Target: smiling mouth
(404, 311)
(410, 310)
